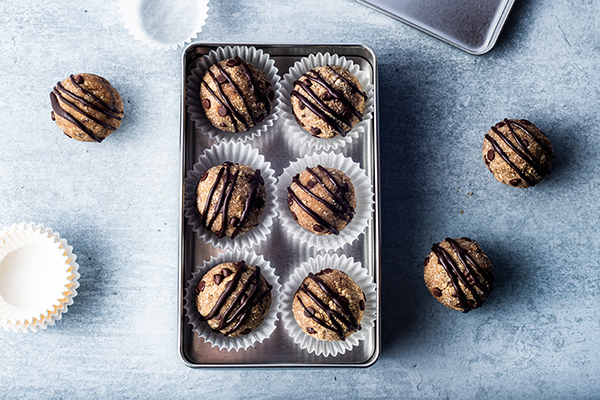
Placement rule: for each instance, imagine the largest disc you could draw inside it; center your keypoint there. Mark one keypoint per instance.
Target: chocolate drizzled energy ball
(233, 298)
(235, 95)
(230, 199)
(322, 200)
(86, 107)
(329, 305)
(459, 274)
(328, 101)
(517, 153)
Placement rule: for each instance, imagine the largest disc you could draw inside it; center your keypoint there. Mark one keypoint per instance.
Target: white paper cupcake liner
(38, 277)
(219, 340)
(364, 201)
(260, 60)
(358, 274)
(164, 24)
(299, 136)
(235, 153)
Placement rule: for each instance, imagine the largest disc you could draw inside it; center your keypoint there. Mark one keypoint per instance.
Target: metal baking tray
(470, 25)
(279, 350)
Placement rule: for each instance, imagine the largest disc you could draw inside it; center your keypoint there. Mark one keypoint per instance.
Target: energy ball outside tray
(86, 107)
(235, 95)
(233, 298)
(329, 305)
(517, 153)
(328, 101)
(459, 274)
(322, 200)
(230, 199)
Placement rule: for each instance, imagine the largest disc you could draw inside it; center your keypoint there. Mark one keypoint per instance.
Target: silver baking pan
(470, 25)
(279, 350)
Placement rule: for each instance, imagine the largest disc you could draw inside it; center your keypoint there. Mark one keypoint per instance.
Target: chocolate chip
(347, 114)
(309, 311)
(204, 176)
(525, 142)
(271, 94)
(466, 239)
(514, 182)
(78, 79)
(308, 82)
(327, 271)
(227, 164)
(223, 124)
(315, 131)
(218, 279)
(327, 96)
(360, 327)
(222, 111)
(490, 155)
(225, 272)
(426, 261)
(251, 178)
(232, 62)
(52, 116)
(290, 201)
(524, 121)
(318, 228)
(310, 331)
(346, 187)
(302, 106)
(311, 183)
(200, 286)
(221, 78)
(235, 221)
(206, 103)
(246, 331)
(294, 216)
(437, 292)
(361, 304)
(238, 264)
(259, 202)
(500, 124)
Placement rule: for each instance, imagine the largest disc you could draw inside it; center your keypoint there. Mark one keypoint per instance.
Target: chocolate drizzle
(519, 147)
(473, 278)
(232, 317)
(229, 180)
(332, 118)
(340, 207)
(339, 321)
(59, 96)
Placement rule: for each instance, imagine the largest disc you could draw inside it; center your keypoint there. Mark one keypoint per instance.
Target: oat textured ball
(328, 101)
(517, 153)
(233, 298)
(235, 95)
(329, 305)
(86, 107)
(230, 199)
(322, 200)
(459, 274)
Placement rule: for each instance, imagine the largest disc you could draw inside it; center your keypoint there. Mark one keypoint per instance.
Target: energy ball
(517, 153)
(235, 95)
(329, 305)
(322, 200)
(328, 101)
(230, 199)
(233, 298)
(86, 107)
(459, 274)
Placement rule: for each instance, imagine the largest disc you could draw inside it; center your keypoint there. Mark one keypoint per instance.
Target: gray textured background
(117, 204)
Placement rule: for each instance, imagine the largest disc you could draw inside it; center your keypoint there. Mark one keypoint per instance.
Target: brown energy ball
(322, 200)
(230, 199)
(329, 305)
(328, 101)
(459, 274)
(517, 153)
(233, 298)
(86, 107)
(235, 95)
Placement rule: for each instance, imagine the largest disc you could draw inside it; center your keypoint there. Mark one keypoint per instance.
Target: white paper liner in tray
(236, 153)
(299, 136)
(364, 201)
(260, 60)
(164, 24)
(219, 340)
(38, 277)
(358, 274)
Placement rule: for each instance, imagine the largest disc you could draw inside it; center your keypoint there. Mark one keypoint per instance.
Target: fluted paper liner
(358, 274)
(38, 277)
(235, 153)
(260, 60)
(217, 339)
(298, 136)
(164, 24)
(364, 201)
